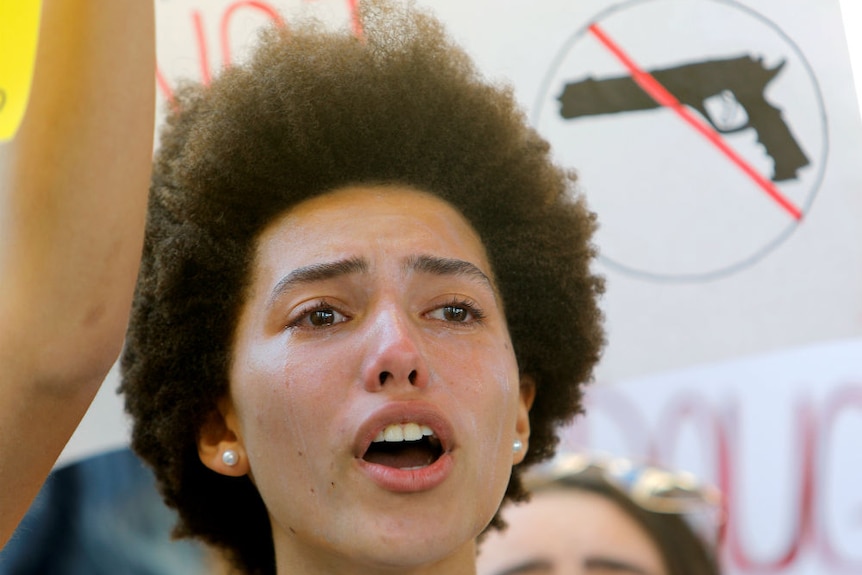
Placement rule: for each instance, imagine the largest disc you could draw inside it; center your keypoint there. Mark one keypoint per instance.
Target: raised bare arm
(72, 208)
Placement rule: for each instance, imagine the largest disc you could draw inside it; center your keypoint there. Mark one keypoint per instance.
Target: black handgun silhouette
(718, 89)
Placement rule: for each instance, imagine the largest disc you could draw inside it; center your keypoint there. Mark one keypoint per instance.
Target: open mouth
(404, 446)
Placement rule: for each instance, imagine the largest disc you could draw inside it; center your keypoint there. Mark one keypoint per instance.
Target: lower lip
(408, 480)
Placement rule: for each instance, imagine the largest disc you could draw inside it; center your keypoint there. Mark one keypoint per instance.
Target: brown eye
(318, 316)
(455, 313)
(321, 317)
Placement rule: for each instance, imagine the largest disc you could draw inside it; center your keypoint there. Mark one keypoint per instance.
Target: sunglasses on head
(652, 488)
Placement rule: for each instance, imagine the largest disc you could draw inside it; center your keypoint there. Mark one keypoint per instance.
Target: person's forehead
(380, 197)
(336, 224)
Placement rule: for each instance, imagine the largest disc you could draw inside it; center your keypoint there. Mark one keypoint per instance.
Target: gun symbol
(728, 93)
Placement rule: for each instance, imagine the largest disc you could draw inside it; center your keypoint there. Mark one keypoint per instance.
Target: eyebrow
(608, 564)
(448, 267)
(535, 566)
(317, 272)
(527, 567)
(421, 263)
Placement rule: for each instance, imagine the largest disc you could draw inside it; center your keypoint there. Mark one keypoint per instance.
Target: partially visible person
(73, 189)
(102, 516)
(600, 517)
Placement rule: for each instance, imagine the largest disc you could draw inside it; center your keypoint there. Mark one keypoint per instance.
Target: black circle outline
(782, 235)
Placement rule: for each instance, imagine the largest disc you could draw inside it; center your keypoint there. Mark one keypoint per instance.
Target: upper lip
(404, 412)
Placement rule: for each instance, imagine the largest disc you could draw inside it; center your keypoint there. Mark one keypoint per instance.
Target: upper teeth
(403, 432)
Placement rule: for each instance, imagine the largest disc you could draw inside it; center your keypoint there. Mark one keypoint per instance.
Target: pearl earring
(230, 457)
(517, 446)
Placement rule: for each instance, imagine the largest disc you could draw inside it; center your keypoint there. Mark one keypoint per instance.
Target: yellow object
(19, 35)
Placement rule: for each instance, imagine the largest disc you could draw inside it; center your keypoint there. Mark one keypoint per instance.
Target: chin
(403, 544)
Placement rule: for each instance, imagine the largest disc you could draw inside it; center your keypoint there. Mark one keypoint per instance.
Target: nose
(393, 355)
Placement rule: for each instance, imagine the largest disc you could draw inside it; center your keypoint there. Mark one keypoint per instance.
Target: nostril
(384, 375)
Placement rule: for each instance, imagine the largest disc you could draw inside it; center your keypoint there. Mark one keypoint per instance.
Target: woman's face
(374, 392)
(569, 532)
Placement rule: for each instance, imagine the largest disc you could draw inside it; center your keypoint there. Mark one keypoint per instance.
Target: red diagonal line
(661, 95)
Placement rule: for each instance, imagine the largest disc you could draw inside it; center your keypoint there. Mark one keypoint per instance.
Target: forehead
(384, 220)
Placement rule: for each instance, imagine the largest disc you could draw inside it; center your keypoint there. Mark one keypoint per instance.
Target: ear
(219, 434)
(522, 423)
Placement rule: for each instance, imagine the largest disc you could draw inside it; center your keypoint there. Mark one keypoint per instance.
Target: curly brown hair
(311, 112)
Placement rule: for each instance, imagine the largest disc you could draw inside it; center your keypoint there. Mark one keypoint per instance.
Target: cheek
(279, 397)
(493, 373)
(486, 380)
(283, 406)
